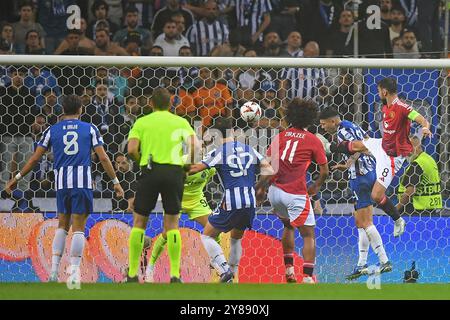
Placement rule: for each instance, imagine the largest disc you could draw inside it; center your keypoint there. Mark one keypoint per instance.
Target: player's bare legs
(236, 236)
(288, 243)
(308, 252)
(385, 204)
(215, 252)
(368, 234)
(59, 244)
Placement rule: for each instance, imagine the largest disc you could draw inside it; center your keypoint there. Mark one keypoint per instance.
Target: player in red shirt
(291, 153)
(392, 150)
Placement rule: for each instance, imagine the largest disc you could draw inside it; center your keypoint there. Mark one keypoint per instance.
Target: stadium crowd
(114, 97)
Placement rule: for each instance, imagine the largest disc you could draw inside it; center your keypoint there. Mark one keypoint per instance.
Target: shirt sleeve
(135, 132)
(44, 142)
(345, 134)
(96, 138)
(318, 152)
(412, 175)
(213, 158)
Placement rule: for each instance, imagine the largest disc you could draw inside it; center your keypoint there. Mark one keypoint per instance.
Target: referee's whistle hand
(118, 190)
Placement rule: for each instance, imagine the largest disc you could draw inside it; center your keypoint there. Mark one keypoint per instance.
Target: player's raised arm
(420, 119)
(267, 174)
(107, 165)
(31, 163)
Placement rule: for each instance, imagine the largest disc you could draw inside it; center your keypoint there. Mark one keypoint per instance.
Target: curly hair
(301, 113)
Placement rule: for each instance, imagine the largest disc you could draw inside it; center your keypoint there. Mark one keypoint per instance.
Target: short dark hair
(32, 31)
(71, 104)
(161, 98)
(74, 31)
(119, 154)
(131, 9)
(301, 113)
(97, 4)
(328, 112)
(224, 125)
(26, 3)
(390, 84)
(185, 47)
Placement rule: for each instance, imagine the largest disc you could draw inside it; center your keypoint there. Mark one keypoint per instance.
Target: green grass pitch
(223, 291)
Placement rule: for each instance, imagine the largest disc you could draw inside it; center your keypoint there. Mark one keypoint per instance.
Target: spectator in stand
(26, 24)
(171, 40)
(233, 48)
(51, 108)
(178, 18)
(133, 44)
(272, 45)
(100, 10)
(341, 40)
(165, 14)
(212, 99)
(294, 45)
(397, 44)
(33, 43)
(102, 113)
(385, 8)
(131, 22)
(53, 17)
(182, 102)
(397, 22)
(16, 144)
(318, 18)
(156, 51)
(73, 46)
(127, 119)
(7, 33)
(104, 46)
(84, 42)
(269, 105)
(128, 180)
(409, 48)
(115, 10)
(285, 16)
(253, 18)
(303, 82)
(42, 174)
(146, 11)
(188, 75)
(39, 78)
(209, 32)
(428, 28)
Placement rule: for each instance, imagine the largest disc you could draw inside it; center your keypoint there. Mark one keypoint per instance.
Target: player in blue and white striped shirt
(71, 141)
(236, 164)
(362, 177)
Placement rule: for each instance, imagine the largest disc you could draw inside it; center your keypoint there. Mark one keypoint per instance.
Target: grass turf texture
(223, 291)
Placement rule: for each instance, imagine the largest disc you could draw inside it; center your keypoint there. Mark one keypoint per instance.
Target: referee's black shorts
(164, 179)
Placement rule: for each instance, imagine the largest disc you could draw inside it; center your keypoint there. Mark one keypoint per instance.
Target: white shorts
(386, 166)
(296, 208)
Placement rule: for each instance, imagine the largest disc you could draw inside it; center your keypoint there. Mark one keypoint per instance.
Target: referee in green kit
(156, 143)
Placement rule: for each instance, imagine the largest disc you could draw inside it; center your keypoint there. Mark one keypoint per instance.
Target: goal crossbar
(119, 61)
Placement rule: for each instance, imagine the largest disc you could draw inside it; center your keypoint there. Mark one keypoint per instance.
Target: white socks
(59, 243)
(235, 254)
(215, 254)
(76, 249)
(363, 246)
(377, 243)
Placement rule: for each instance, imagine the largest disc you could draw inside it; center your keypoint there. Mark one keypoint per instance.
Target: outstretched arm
(31, 163)
(323, 175)
(417, 117)
(107, 165)
(267, 174)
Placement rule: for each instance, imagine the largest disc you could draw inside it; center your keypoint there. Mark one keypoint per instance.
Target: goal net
(117, 91)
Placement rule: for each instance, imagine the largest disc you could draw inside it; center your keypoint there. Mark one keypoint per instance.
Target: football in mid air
(251, 111)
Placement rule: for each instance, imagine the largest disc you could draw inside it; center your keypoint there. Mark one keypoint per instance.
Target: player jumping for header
(236, 165)
(390, 151)
(362, 176)
(291, 152)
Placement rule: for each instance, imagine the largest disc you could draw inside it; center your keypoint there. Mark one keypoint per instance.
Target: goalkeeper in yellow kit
(194, 204)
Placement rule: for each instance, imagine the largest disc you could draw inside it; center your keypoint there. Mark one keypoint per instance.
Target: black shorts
(164, 179)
